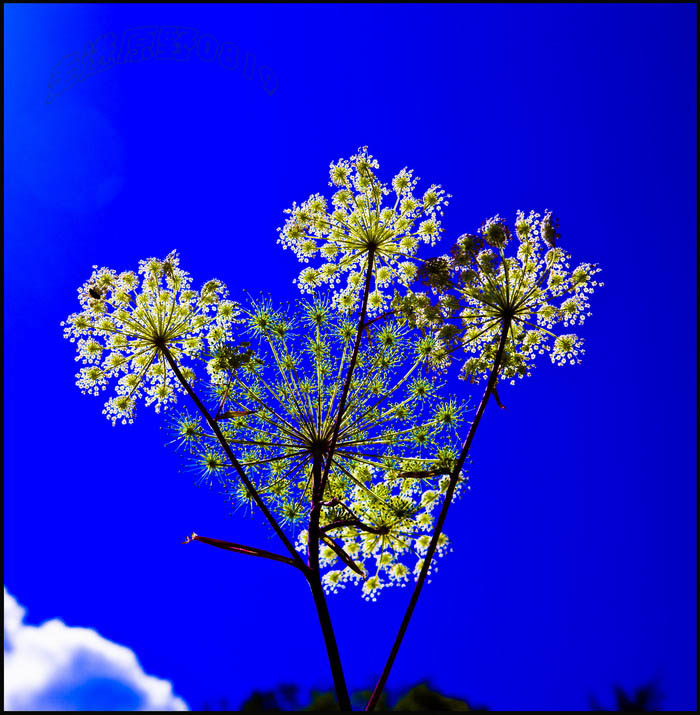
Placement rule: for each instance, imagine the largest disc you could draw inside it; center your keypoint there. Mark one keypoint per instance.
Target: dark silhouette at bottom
(419, 698)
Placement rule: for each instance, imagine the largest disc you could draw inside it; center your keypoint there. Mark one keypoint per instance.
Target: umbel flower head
(478, 288)
(363, 216)
(277, 409)
(128, 320)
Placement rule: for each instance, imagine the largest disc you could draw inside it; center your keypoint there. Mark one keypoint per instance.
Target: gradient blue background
(574, 561)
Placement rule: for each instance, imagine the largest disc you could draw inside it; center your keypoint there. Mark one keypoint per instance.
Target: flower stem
(351, 369)
(236, 464)
(312, 572)
(313, 576)
(454, 476)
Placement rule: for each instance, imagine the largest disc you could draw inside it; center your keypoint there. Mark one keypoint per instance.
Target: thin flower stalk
(311, 573)
(234, 462)
(350, 371)
(425, 570)
(519, 299)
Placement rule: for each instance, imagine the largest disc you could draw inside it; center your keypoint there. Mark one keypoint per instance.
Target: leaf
(240, 549)
(498, 399)
(344, 557)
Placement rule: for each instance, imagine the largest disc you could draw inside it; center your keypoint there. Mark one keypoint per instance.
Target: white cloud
(57, 667)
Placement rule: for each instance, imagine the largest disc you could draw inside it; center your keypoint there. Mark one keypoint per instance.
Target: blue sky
(574, 560)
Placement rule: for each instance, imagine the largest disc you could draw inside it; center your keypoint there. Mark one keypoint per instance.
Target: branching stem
(234, 462)
(351, 369)
(454, 478)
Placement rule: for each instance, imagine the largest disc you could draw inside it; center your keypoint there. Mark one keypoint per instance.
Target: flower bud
(466, 248)
(548, 229)
(435, 273)
(495, 232)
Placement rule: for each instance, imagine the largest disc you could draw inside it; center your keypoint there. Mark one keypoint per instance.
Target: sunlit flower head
(364, 216)
(128, 319)
(394, 449)
(478, 288)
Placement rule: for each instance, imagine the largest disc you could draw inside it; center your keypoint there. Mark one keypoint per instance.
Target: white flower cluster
(479, 288)
(391, 553)
(364, 216)
(128, 320)
(393, 451)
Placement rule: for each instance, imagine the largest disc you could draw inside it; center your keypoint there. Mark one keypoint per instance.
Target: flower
(278, 411)
(477, 289)
(356, 222)
(127, 322)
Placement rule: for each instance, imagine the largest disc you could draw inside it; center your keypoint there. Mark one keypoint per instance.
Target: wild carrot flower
(128, 319)
(278, 408)
(478, 287)
(363, 216)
